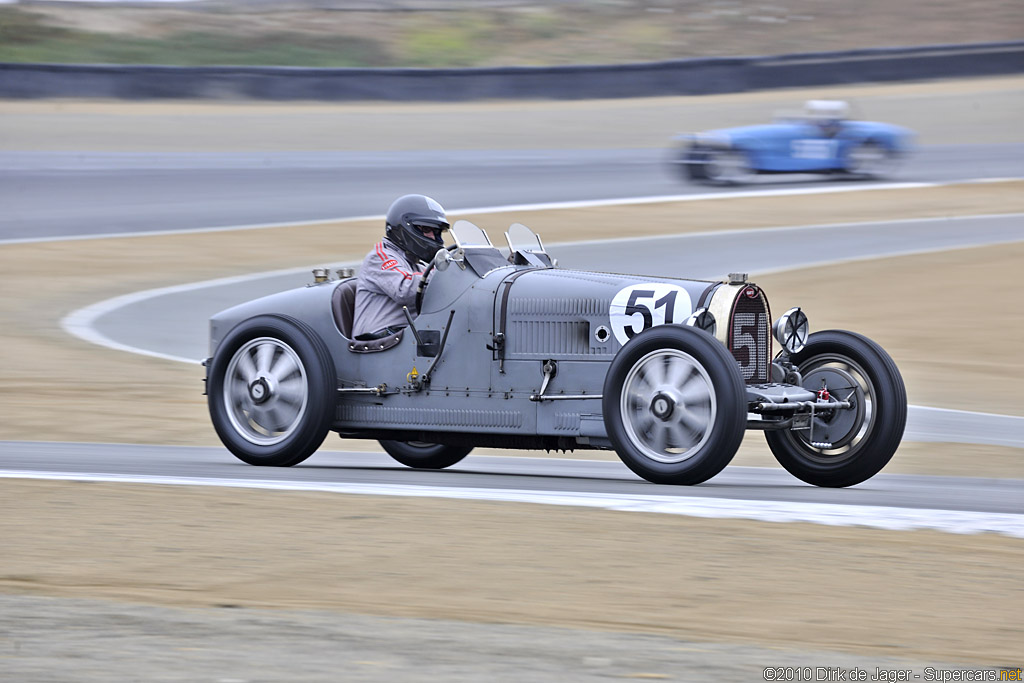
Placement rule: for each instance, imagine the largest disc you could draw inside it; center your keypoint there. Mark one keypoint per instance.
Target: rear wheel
(847, 446)
(425, 456)
(271, 391)
(674, 405)
(870, 160)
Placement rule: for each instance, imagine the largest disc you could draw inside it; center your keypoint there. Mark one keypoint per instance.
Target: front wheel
(846, 446)
(674, 405)
(689, 164)
(728, 167)
(425, 456)
(271, 391)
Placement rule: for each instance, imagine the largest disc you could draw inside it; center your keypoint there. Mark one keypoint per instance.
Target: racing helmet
(408, 217)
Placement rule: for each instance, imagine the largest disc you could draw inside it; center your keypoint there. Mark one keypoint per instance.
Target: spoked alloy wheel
(265, 391)
(674, 405)
(846, 446)
(271, 391)
(668, 405)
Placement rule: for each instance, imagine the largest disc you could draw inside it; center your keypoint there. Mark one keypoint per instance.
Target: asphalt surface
(515, 473)
(53, 194)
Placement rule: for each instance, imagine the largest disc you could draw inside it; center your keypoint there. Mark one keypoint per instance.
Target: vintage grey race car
(510, 351)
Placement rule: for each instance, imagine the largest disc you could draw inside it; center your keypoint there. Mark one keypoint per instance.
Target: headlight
(791, 330)
(703, 320)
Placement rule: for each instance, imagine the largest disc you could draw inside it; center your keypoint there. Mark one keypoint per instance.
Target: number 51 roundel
(638, 307)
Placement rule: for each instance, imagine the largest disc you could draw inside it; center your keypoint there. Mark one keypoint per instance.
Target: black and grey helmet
(406, 220)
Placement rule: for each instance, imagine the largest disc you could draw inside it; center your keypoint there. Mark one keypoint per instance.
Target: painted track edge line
(80, 322)
(829, 514)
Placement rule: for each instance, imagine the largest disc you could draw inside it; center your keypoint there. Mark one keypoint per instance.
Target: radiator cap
(737, 278)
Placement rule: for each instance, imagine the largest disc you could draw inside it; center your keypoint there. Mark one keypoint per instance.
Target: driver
(390, 276)
(830, 127)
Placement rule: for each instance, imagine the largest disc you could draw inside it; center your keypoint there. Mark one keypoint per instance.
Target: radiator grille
(548, 337)
(750, 339)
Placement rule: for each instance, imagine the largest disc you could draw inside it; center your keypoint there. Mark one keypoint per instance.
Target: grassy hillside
(437, 33)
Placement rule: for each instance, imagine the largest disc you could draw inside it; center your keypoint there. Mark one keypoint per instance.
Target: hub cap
(668, 406)
(265, 391)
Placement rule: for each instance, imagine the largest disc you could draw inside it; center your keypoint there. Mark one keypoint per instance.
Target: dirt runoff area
(923, 595)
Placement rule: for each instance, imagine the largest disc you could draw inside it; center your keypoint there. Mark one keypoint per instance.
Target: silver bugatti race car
(510, 351)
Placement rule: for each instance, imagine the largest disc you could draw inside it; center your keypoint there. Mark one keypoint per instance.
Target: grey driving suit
(387, 281)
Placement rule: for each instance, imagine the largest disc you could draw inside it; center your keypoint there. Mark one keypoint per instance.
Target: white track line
(79, 323)
(873, 516)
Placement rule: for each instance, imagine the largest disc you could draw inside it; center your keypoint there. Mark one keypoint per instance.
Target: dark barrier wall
(677, 77)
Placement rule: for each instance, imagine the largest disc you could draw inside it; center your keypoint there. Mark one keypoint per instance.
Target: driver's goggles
(425, 227)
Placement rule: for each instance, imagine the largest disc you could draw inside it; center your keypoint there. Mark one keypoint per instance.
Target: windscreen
(521, 238)
(466, 234)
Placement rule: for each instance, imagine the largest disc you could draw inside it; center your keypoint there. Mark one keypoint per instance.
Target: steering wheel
(423, 280)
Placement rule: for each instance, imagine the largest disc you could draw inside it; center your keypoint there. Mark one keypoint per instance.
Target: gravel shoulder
(920, 595)
(259, 644)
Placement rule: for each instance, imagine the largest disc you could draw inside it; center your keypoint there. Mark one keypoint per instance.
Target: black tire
(271, 391)
(863, 439)
(689, 164)
(425, 456)
(684, 425)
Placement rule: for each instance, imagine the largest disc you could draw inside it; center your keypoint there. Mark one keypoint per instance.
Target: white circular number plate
(638, 307)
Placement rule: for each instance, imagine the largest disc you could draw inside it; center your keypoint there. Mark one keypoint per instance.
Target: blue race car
(822, 140)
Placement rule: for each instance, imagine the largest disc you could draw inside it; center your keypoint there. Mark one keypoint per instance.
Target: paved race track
(134, 192)
(104, 194)
(887, 501)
